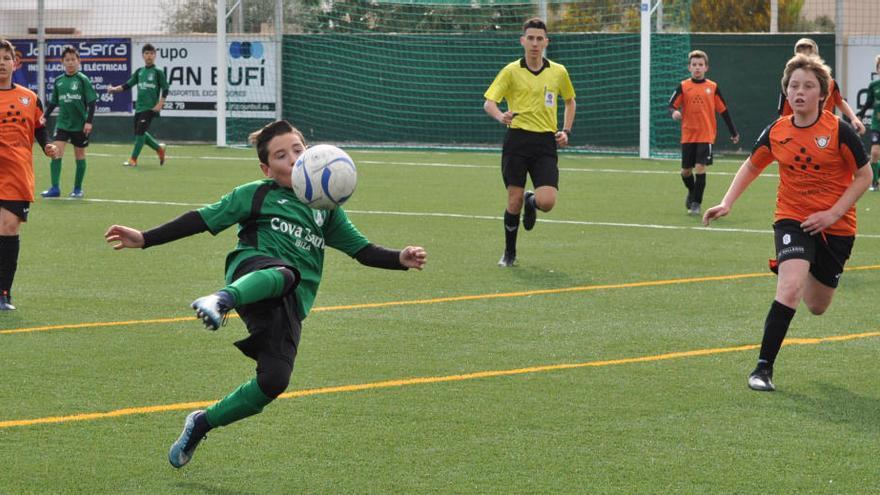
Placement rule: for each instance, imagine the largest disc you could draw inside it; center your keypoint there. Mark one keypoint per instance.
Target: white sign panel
(191, 68)
(860, 66)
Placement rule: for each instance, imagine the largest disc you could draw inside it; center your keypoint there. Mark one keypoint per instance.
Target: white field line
(477, 217)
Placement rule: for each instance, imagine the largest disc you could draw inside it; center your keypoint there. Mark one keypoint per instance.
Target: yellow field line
(475, 297)
(430, 380)
(437, 300)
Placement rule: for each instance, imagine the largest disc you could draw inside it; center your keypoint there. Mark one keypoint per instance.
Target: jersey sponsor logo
(303, 236)
(822, 141)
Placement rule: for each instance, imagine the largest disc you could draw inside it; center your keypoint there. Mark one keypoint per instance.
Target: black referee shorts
(529, 153)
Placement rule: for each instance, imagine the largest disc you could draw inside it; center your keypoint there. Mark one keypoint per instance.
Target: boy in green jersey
(272, 275)
(152, 88)
(75, 98)
(873, 103)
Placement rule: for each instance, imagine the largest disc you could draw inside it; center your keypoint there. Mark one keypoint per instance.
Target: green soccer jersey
(285, 229)
(150, 82)
(874, 94)
(72, 95)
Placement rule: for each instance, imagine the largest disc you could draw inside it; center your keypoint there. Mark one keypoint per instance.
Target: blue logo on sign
(246, 49)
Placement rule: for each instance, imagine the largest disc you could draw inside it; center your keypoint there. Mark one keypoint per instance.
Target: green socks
(55, 171)
(244, 401)
(875, 167)
(257, 286)
(80, 174)
(138, 146)
(151, 142)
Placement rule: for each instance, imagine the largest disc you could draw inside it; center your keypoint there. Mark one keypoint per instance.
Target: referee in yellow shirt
(532, 87)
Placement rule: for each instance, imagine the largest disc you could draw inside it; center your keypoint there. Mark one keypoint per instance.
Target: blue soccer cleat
(182, 449)
(212, 310)
(52, 192)
(76, 193)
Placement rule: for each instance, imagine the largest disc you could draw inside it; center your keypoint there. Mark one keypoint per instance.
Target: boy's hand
(51, 150)
(715, 213)
(413, 257)
(506, 118)
(676, 115)
(859, 126)
(734, 139)
(87, 129)
(562, 139)
(113, 89)
(127, 237)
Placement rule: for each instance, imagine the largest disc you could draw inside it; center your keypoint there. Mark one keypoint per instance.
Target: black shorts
(17, 208)
(694, 153)
(76, 138)
(532, 153)
(273, 324)
(142, 121)
(875, 137)
(826, 253)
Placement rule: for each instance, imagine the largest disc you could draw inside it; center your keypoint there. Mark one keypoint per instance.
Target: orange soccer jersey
(20, 115)
(833, 100)
(816, 165)
(698, 100)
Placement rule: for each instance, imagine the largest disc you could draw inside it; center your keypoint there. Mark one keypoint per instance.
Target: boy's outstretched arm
(390, 259)
(185, 225)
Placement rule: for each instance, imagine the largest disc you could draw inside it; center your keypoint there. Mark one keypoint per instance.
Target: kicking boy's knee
(273, 376)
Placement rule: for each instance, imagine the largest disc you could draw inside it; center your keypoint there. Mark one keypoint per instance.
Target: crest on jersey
(708, 91)
(822, 141)
(24, 100)
(320, 216)
(74, 86)
(149, 77)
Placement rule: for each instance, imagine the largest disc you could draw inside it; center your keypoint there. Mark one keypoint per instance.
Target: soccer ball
(324, 177)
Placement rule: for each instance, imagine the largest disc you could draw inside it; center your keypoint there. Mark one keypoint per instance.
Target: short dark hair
(148, 48)
(260, 139)
(535, 23)
(70, 49)
(8, 46)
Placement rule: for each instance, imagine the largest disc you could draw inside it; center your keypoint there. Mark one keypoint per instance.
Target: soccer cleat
(5, 304)
(688, 200)
(76, 193)
(694, 209)
(530, 213)
(508, 259)
(182, 449)
(875, 186)
(761, 379)
(130, 163)
(161, 153)
(213, 309)
(52, 192)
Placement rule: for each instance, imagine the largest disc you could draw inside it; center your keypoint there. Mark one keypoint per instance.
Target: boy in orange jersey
(699, 99)
(822, 173)
(21, 122)
(834, 99)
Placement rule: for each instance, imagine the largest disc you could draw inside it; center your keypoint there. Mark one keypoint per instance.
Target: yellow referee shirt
(532, 96)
